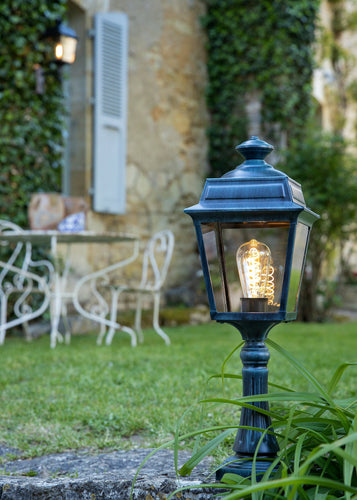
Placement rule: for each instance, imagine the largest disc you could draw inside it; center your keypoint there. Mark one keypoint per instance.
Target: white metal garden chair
(21, 277)
(156, 261)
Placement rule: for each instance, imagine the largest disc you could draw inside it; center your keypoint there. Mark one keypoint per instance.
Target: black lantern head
(65, 43)
(252, 229)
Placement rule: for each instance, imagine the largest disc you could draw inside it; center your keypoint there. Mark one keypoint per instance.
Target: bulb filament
(269, 293)
(254, 278)
(256, 272)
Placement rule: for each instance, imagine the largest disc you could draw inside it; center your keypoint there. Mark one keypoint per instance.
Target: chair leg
(26, 329)
(113, 316)
(156, 319)
(2, 335)
(67, 328)
(3, 313)
(131, 332)
(138, 319)
(101, 334)
(113, 319)
(55, 317)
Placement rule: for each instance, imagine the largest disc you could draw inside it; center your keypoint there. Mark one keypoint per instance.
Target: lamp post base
(242, 466)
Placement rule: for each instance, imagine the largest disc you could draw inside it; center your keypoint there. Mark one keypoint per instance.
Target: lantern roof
(60, 29)
(253, 186)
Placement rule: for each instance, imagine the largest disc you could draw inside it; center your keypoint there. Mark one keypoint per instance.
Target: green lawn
(85, 396)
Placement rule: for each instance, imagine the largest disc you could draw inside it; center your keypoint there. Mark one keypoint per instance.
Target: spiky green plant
(317, 434)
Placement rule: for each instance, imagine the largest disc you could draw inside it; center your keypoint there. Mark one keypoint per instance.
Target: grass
(85, 396)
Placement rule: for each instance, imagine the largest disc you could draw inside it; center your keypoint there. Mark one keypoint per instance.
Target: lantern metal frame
(58, 34)
(253, 193)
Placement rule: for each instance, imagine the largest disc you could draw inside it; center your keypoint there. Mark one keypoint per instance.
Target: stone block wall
(167, 120)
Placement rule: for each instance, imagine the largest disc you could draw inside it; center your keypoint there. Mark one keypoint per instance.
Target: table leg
(56, 301)
(58, 307)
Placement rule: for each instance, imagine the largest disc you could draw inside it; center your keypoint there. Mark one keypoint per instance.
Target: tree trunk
(308, 308)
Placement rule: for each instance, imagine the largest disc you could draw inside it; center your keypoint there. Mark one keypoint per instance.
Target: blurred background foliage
(261, 50)
(327, 171)
(32, 125)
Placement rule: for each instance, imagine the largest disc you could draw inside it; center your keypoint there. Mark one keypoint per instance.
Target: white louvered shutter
(110, 109)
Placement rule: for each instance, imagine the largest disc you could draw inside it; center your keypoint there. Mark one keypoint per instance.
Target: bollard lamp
(252, 227)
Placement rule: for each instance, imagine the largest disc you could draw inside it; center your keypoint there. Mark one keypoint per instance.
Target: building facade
(140, 165)
(149, 155)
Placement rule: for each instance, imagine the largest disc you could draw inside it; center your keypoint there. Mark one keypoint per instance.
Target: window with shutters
(110, 108)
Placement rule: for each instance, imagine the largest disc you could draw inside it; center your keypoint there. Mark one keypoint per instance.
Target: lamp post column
(255, 356)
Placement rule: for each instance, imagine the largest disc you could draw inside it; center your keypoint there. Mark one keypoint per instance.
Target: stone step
(107, 476)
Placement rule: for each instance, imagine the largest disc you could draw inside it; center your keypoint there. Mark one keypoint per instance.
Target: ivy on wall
(262, 48)
(341, 94)
(31, 137)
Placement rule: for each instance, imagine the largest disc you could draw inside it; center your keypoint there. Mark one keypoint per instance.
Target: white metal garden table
(56, 293)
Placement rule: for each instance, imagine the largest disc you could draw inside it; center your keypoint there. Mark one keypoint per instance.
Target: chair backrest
(7, 226)
(156, 260)
(26, 257)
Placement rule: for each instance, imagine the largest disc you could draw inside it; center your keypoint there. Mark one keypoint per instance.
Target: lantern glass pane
(209, 232)
(65, 49)
(300, 248)
(263, 245)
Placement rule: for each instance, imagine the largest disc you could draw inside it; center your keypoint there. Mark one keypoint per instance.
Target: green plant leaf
(227, 359)
(239, 377)
(298, 448)
(289, 481)
(311, 379)
(302, 397)
(337, 376)
(300, 367)
(350, 465)
(186, 469)
(335, 447)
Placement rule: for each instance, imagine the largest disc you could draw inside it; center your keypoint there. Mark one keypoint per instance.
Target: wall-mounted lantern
(252, 228)
(64, 41)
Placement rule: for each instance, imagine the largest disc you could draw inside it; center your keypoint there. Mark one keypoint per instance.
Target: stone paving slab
(79, 476)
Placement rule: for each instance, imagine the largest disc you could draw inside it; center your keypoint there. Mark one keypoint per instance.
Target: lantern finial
(254, 149)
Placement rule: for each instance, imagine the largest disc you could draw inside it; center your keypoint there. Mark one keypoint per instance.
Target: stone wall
(167, 120)
(334, 82)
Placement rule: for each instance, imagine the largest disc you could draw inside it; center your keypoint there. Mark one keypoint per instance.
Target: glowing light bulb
(253, 262)
(256, 273)
(59, 51)
(65, 50)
